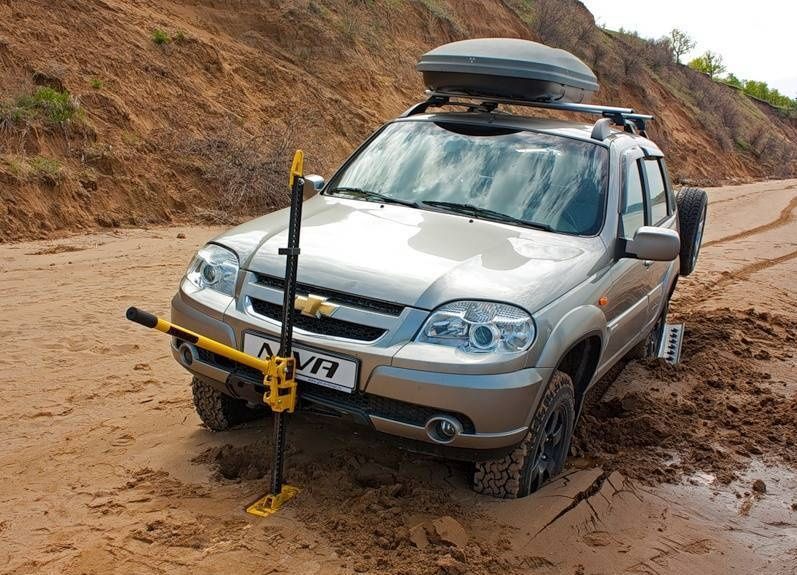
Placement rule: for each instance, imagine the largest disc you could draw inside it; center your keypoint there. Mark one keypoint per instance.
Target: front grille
(322, 325)
(350, 300)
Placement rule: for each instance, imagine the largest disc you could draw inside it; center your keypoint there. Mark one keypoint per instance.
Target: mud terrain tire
(518, 474)
(692, 208)
(220, 412)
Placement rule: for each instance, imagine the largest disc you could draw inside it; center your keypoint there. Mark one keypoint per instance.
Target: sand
(106, 468)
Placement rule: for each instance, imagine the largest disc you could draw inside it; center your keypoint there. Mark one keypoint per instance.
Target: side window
(668, 185)
(657, 193)
(632, 213)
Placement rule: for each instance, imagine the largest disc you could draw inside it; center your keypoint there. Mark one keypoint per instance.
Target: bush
(250, 171)
(54, 106)
(160, 37)
(37, 168)
(46, 170)
(561, 24)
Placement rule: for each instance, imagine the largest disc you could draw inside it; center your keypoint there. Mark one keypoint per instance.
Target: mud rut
(108, 471)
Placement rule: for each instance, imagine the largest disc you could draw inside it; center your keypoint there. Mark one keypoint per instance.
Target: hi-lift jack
(279, 371)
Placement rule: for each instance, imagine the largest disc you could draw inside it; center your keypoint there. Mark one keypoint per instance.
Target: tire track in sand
(783, 218)
(705, 291)
(751, 194)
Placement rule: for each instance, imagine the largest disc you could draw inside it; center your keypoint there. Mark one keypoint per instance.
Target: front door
(627, 308)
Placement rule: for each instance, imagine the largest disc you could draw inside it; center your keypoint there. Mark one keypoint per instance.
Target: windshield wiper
(484, 213)
(368, 195)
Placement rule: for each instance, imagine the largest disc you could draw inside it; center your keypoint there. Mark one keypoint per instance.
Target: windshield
(549, 181)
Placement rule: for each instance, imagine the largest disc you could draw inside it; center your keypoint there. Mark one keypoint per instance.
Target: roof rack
(625, 117)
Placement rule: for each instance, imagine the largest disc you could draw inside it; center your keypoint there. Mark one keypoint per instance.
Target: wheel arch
(580, 362)
(575, 345)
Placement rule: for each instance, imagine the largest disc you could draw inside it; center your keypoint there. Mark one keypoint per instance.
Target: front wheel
(542, 454)
(220, 412)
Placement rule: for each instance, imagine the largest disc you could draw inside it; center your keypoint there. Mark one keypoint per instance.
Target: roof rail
(625, 117)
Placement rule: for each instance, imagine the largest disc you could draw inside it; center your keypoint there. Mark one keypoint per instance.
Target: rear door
(660, 203)
(627, 309)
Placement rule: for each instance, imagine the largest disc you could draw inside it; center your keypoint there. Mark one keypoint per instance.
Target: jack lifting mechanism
(278, 370)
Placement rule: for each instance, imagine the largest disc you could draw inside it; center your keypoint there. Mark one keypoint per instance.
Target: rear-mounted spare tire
(692, 209)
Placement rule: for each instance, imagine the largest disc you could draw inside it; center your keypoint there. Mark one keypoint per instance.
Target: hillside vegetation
(134, 112)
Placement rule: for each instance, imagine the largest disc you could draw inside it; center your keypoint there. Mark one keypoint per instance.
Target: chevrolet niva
(466, 275)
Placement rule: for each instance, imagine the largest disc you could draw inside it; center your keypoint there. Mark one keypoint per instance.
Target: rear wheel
(542, 454)
(692, 209)
(220, 412)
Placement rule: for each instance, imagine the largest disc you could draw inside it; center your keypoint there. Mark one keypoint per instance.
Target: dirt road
(106, 469)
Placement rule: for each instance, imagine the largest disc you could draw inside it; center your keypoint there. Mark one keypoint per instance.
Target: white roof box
(507, 68)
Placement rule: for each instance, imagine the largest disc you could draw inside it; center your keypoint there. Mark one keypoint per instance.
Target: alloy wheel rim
(550, 449)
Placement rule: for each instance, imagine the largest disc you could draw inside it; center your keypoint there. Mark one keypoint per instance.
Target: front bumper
(495, 409)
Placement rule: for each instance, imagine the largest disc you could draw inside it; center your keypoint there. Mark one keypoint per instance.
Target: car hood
(417, 257)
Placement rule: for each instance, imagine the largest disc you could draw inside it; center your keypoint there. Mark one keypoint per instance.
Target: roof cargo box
(507, 68)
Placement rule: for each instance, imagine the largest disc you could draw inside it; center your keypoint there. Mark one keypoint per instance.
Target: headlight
(479, 327)
(214, 267)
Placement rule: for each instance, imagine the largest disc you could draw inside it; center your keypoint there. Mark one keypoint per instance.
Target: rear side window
(633, 211)
(657, 192)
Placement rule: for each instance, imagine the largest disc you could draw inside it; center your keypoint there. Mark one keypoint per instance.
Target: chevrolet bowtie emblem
(314, 306)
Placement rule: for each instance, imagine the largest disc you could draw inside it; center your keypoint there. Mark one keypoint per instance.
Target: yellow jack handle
(279, 373)
(297, 167)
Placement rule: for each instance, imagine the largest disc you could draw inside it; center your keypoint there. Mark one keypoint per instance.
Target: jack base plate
(270, 504)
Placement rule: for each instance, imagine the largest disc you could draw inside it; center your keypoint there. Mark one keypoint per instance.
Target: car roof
(565, 128)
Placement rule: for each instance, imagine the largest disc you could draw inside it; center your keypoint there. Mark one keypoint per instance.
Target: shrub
(46, 170)
(37, 168)
(561, 24)
(54, 106)
(248, 170)
(160, 37)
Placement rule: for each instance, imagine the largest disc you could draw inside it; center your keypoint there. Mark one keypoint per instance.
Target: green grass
(160, 37)
(17, 167)
(53, 106)
(96, 83)
(46, 169)
(35, 168)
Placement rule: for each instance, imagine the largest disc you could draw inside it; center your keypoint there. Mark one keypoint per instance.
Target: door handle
(647, 263)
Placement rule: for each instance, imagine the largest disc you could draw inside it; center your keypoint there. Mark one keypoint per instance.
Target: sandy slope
(106, 469)
(200, 129)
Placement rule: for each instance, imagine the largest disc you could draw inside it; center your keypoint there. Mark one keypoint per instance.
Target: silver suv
(464, 278)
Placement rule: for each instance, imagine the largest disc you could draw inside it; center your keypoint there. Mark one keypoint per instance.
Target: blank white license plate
(312, 365)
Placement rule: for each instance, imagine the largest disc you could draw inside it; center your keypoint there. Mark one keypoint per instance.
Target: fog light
(443, 428)
(446, 428)
(187, 353)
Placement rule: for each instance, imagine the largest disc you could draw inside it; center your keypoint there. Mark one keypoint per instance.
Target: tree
(709, 63)
(681, 43)
(732, 80)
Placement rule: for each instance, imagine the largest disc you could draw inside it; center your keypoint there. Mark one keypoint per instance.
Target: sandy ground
(105, 468)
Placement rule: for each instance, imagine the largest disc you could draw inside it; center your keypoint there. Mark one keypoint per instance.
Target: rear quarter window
(657, 191)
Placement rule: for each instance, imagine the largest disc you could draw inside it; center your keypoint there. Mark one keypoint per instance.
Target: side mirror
(312, 185)
(652, 243)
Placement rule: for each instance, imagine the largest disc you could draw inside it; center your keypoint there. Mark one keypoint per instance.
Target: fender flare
(575, 326)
